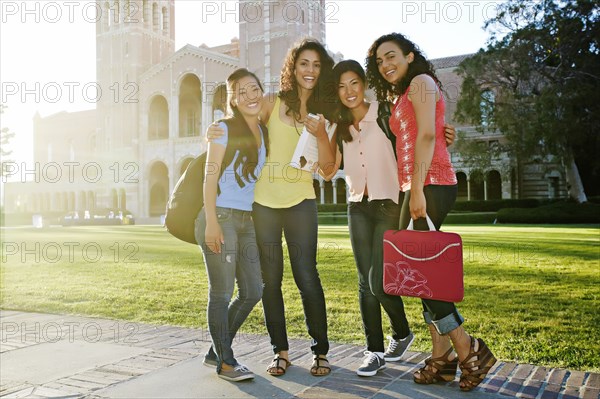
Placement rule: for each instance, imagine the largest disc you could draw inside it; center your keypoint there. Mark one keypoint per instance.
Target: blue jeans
(440, 200)
(237, 262)
(299, 225)
(367, 221)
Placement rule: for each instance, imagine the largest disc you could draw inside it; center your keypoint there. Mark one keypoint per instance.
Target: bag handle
(429, 224)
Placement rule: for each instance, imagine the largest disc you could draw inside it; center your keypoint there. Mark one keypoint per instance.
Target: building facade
(157, 102)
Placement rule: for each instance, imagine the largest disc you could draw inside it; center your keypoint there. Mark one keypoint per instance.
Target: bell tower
(268, 29)
(131, 37)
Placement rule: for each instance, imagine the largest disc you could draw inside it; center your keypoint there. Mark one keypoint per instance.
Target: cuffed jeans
(299, 225)
(367, 221)
(440, 199)
(237, 262)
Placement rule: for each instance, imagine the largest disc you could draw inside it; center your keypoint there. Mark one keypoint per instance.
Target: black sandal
(275, 368)
(317, 359)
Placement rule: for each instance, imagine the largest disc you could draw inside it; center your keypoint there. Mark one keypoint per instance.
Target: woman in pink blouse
(370, 170)
(396, 68)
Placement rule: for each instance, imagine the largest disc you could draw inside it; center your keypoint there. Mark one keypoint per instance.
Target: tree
(5, 136)
(541, 63)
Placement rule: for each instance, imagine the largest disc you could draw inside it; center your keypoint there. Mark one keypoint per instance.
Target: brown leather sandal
(473, 372)
(275, 368)
(318, 364)
(437, 369)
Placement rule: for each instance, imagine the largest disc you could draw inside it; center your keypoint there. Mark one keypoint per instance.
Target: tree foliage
(542, 63)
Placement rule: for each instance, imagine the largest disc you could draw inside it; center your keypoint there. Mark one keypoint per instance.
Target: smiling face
(247, 96)
(391, 61)
(307, 69)
(351, 90)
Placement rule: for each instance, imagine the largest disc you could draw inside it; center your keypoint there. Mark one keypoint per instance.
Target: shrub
(563, 212)
(494, 205)
(332, 207)
(470, 218)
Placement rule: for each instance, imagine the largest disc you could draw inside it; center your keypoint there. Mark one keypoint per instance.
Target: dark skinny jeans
(367, 221)
(299, 226)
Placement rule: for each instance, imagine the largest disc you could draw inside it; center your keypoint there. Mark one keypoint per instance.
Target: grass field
(531, 291)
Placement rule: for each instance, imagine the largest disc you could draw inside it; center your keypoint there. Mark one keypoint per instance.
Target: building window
(165, 20)
(145, 18)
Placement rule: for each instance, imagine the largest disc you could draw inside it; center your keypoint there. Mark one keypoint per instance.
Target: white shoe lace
(393, 344)
(242, 369)
(370, 358)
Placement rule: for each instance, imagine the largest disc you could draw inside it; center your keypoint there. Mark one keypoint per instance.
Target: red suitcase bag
(423, 264)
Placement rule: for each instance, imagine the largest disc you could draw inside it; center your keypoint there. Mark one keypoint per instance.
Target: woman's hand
(213, 237)
(449, 134)
(417, 204)
(214, 131)
(316, 127)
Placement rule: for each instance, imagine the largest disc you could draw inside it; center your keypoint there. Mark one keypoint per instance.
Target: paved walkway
(45, 355)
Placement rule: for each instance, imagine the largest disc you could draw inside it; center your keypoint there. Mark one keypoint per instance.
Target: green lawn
(532, 292)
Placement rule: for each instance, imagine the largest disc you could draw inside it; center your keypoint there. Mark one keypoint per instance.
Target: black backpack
(187, 197)
(383, 120)
(186, 201)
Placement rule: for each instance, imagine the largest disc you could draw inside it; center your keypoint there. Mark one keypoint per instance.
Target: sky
(47, 48)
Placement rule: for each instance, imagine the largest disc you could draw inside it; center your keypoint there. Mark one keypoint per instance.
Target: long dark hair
(322, 98)
(240, 136)
(342, 114)
(420, 65)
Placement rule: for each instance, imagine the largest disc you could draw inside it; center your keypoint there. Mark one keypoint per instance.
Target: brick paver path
(164, 346)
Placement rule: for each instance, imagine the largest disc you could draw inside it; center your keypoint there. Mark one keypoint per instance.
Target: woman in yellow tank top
(284, 198)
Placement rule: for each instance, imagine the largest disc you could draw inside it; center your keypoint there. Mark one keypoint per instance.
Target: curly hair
(343, 115)
(322, 99)
(420, 65)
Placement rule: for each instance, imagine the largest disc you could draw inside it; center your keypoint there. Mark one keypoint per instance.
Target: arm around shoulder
(268, 105)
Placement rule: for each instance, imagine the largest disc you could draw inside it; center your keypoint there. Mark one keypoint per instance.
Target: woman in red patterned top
(396, 68)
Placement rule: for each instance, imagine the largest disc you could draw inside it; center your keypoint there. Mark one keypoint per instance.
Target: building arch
(158, 188)
(493, 185)
(190, 106)
(158, 118)
(476, 185)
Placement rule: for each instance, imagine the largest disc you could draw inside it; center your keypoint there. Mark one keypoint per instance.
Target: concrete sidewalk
(45, 355)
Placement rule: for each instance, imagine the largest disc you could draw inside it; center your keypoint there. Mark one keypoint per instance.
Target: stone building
(156, 103)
